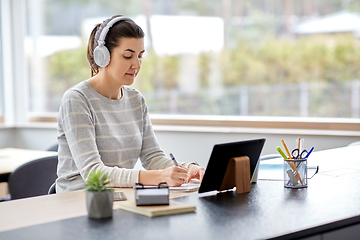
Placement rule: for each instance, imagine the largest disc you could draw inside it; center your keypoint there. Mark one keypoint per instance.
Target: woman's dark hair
(121, 29)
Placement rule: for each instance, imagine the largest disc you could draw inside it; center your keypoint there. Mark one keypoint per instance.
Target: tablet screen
(220, 157)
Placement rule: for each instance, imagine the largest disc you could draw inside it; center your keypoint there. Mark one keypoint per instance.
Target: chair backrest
(53, 148)
(33, 178)
(52, 188)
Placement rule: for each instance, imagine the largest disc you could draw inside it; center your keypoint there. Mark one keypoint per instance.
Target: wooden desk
(328, 207)
(43, 209)
(11, 158)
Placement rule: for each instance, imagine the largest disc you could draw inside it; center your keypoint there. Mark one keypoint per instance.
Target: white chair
(269, 156)
(354, 144)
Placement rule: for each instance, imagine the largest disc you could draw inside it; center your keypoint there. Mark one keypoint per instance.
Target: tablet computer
(220, 157)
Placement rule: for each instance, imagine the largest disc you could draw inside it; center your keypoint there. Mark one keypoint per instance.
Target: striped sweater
(95, 132)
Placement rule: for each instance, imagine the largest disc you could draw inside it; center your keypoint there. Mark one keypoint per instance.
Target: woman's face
(125, 61)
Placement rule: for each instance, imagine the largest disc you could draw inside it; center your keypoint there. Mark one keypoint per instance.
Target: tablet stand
(237, 174)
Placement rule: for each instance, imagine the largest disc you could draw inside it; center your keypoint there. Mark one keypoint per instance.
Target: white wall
(189, 147)
(7, 137)
(186, 146)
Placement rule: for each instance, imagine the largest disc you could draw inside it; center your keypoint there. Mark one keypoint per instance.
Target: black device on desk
(220, 157)
(119, 196)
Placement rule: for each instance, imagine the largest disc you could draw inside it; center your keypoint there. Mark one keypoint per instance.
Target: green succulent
(97, 181)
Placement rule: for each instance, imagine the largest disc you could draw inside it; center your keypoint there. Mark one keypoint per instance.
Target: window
(233, 58)
(1, 76)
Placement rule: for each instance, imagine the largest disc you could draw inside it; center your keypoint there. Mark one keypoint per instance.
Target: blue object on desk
(309, 152)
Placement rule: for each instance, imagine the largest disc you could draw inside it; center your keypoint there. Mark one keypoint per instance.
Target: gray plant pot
(99, 204)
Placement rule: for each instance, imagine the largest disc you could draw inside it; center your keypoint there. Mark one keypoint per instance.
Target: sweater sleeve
(152, 157)
(77, 122)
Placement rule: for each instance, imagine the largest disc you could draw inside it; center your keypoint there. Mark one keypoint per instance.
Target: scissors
(297, 155)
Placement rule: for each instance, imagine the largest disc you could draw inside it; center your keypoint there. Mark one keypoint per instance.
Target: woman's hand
(174, 176)
(195, 171)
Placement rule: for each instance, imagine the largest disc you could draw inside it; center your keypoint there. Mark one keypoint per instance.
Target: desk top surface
(11, 158)
(268, 211)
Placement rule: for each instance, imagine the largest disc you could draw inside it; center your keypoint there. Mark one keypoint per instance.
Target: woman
(104, 125)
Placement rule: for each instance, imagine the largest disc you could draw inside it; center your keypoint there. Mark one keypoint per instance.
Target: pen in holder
(295, 173)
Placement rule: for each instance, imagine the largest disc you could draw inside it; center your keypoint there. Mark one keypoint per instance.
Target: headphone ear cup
(101, 56)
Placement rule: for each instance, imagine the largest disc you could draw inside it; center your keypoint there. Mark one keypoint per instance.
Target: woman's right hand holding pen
(194, 170)
(175, 176)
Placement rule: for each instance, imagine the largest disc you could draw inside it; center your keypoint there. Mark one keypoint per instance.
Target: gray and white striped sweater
(95, 132)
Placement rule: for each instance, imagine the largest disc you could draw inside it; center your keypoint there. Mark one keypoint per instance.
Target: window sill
(270, 131)
(239, 124)
(339, 124)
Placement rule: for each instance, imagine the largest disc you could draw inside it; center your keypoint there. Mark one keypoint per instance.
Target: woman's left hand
(195, 171)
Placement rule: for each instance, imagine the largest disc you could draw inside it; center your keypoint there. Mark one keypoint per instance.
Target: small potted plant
(99, 199)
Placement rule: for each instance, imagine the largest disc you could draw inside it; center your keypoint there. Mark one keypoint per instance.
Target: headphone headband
(101, 53)
(101, 41)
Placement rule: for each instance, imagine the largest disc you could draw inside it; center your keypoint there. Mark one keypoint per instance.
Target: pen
(298, 143)
(286, 149)
(281, 152)
(309, 152)
(291, 164)
(173, 159)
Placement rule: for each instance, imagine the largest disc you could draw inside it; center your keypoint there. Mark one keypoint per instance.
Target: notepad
(155, 211)
(186, 187)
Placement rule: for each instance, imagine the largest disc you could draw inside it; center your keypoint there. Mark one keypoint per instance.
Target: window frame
(1, 73)
(15, 81)
(16, 97)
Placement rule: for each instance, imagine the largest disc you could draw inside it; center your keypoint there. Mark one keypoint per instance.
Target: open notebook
(186, 187)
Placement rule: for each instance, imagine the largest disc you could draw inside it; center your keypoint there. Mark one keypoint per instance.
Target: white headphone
(101, 53)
